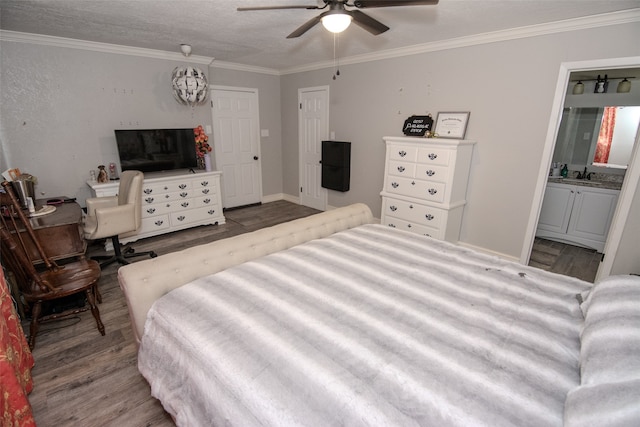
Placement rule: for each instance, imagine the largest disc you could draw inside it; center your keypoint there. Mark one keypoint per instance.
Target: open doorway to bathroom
(559, 256)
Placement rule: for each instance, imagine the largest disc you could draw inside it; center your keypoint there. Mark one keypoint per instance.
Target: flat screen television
(155, 150)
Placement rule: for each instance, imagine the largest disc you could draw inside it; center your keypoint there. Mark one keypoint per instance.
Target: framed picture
(452, 125)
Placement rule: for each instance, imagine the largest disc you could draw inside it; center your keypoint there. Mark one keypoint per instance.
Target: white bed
(374, 326)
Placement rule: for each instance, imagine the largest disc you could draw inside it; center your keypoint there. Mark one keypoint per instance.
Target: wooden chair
(53, 281)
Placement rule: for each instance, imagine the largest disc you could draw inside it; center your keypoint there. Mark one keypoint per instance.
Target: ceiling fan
(338, 17)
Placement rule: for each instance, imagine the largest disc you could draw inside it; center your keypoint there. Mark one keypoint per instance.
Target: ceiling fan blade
(306, 26)
(374, 26)
(362, 4)
(248, 8)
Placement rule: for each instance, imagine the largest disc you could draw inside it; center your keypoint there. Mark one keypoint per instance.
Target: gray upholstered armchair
(117, 216)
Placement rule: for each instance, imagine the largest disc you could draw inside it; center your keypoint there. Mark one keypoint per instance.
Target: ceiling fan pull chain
(335, 60)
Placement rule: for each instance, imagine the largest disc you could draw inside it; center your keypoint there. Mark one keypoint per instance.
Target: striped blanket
(370, 326)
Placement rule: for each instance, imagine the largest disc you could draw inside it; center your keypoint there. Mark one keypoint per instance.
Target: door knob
(255, 157)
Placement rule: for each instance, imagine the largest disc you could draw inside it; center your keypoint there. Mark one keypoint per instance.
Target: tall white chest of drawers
(173, 201)
(425, 185)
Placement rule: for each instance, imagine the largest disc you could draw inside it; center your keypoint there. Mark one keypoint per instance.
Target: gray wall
(59, 107)
(507, 86)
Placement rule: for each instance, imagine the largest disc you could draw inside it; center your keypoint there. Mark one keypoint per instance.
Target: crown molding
(595, 21)
(18, 37)
(241, 67)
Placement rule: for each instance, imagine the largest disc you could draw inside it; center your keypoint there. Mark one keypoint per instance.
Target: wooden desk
(59, 233)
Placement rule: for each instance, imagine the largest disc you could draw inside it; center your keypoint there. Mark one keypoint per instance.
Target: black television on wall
(156, 150)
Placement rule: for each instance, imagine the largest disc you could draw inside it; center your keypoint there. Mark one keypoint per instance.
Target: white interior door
(313, 128)
(236, 142)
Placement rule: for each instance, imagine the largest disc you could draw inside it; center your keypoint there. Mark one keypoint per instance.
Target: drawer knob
(183, 194)
(395, 184)
(413, 183)
(204, 183)
(181, 218)
(211, 211)
(429, 217)
(159, 222)
(410, 206)
(400, 168)
(166, 196)
(430, 172)
(149, 200)
(151, 210)
(148, 191)
(185, 204)
(205, 191)
(432, 156)
(392, 225)
(402, 153)
(408, 225)
(432, 191)
(166, 188)
(182, 186)
(207, 201)
(393, 208)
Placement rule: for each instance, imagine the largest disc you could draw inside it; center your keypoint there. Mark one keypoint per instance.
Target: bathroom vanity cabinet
(577, 214)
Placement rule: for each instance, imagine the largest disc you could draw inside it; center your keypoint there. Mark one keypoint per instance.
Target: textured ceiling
(258, 38)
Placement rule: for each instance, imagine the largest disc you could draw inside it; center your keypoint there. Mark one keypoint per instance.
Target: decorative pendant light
(624, 86)
(578, 89)
(189, 83)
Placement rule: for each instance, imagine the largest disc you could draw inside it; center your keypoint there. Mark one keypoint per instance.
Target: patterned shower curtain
(606, 135)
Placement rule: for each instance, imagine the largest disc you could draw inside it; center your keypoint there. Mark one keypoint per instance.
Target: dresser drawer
(166, 197)
(401, 224)
(420, 189)
(154, 224)
(156, 209)
(433, 156)
(432, 172)
(204, 201)
(415, 212)
(402, 168)
(193, 215)
(203, 183)
(408, 154)
(165, 187)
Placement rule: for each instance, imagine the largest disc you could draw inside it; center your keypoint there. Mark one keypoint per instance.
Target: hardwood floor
(565, 259)
(84, 379)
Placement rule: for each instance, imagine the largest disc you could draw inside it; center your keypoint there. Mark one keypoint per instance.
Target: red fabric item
(16, 362)
(606, 135)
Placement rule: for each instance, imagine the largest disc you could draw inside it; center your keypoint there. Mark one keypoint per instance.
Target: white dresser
(173, 201)
(425, 185)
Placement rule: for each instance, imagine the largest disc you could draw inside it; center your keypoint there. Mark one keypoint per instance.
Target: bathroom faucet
(584, 175)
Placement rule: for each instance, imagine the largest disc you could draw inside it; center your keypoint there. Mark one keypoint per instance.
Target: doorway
(313, 128)
(236, 142)
(631, 182)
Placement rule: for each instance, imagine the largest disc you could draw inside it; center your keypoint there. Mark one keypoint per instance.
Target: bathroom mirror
(580, 131)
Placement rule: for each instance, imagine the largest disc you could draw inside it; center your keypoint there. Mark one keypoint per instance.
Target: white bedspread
(371, 326)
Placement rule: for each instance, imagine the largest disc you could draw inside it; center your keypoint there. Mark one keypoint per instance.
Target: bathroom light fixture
(624, 86)
(578, 89)
(189, 83)
(336, 21)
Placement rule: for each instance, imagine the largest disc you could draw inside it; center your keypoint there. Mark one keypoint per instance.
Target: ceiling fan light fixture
(336, 22)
